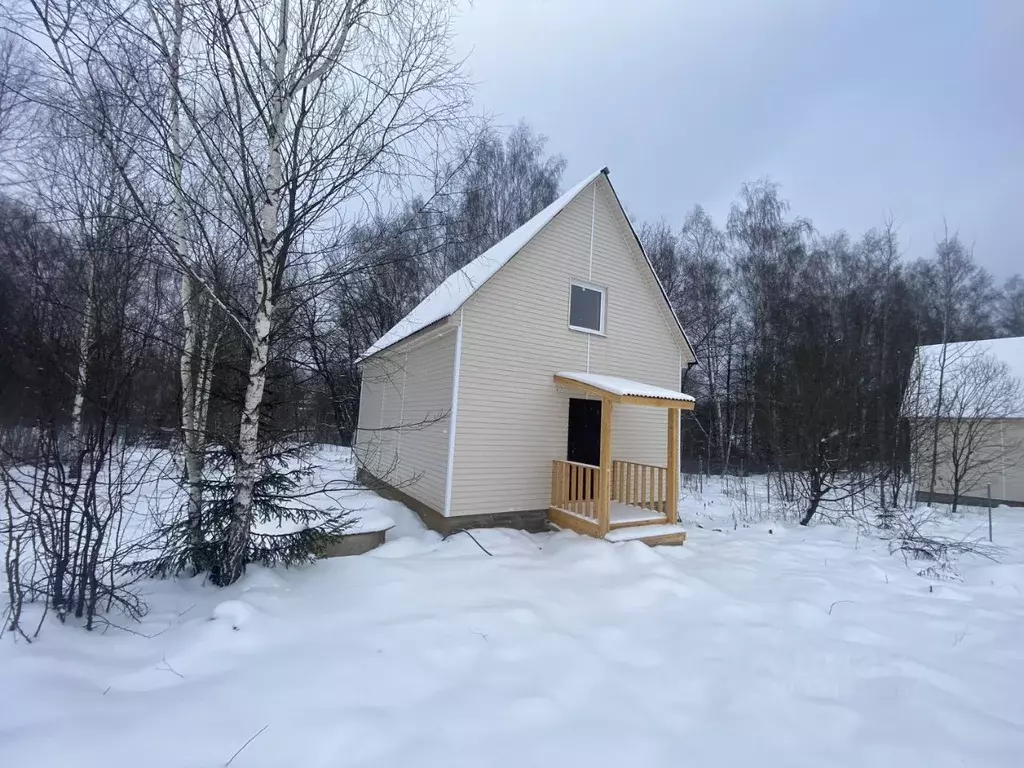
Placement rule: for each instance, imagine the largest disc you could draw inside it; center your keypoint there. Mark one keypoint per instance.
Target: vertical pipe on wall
(452, 420)
(590, 264)
(401, 413)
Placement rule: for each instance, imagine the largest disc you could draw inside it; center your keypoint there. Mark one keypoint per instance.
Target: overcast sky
(856, 108)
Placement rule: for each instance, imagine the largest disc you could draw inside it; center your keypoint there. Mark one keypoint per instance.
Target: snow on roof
(618, 386)
(1009, 351)
(961, 356)
(459, 286)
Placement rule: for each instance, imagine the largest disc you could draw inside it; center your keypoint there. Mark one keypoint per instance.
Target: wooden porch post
(604, 493)
(671, 509)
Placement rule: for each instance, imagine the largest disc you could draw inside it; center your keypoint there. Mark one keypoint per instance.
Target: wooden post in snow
(604, 492)
(672, 509)
(988, 492)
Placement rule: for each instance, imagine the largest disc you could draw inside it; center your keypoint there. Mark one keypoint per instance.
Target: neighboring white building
(954, 384)
(538, 383)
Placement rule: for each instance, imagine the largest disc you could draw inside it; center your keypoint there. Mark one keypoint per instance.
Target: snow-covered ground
(757, 644)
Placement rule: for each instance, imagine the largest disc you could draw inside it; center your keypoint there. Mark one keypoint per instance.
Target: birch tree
(279, 117)
(79, 183)
(304, 107)
(112, 42)
(198, 345)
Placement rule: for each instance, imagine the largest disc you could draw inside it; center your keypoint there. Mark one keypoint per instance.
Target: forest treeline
(777, 311)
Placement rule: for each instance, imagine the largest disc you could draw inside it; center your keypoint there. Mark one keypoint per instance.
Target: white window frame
(604, 306)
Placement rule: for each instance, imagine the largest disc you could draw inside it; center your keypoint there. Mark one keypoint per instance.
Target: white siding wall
(1011, 482)
(1002, 455)
(369, 413)
(512, 419)
(404, 407)
(379, 409)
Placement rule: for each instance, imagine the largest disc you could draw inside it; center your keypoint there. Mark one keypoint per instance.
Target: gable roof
(960, 358)
(458, 287)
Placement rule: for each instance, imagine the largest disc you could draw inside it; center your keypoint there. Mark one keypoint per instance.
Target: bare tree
(320, 102)
(767, 250)
(277, 114)
(71, 490)
(505, 181)
(707, 311)
(199, 339)
(978, 393)
(960, 294)
(1011, 307)
(16, 76)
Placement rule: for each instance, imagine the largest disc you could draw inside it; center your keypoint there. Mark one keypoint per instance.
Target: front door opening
(584, 431)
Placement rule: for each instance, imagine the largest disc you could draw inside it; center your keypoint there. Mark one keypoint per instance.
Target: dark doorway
(584, 431)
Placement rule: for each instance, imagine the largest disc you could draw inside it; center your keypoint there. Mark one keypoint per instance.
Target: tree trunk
(192, 441)
(193, 365)
(81, 376)
(247, 461)
(938, 421)
(816, 485)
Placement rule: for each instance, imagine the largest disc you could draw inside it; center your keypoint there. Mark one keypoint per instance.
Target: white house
(970, 396)
(539, 384)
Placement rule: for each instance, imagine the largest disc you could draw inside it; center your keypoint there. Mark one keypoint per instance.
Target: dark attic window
(586, 308)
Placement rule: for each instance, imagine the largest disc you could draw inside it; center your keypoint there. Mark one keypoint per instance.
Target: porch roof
(625, 391)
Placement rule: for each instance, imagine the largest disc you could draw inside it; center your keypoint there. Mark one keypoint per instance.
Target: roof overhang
(422, 336)
(625, 391)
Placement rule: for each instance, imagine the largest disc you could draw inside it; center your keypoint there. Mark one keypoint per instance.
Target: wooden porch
(620, 500)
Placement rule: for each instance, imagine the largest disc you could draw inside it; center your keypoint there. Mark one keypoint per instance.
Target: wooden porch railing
(576, 493)
(640, 485)
(575, 488)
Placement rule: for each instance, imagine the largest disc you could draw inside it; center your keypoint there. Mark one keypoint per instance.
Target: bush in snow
(287, 530)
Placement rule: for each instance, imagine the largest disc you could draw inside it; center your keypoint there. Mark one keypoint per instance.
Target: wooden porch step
(651, 535)
(640, 521)
(625, 515)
